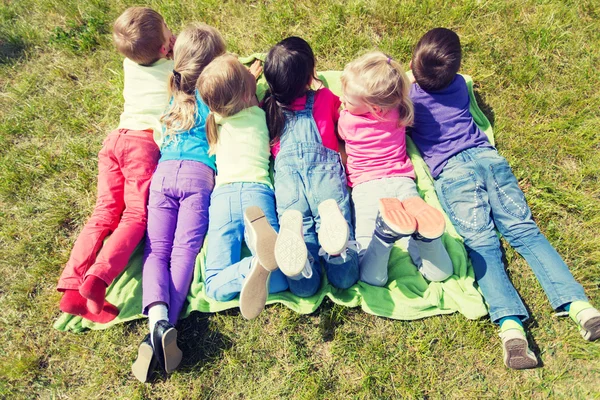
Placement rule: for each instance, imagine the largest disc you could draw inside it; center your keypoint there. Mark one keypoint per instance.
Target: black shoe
(144, 364)
(165, 346)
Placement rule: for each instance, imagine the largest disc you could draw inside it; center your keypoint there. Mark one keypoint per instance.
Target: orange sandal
(430, 221)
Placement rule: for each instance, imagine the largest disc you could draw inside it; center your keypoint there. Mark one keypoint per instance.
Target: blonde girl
(387, 205)
(242, 206)
(179, 198)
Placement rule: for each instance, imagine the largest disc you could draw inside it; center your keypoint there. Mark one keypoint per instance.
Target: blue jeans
(479, 193)
(225, 269)
(305, 176)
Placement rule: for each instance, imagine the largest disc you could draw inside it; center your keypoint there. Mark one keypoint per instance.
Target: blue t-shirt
(443, 125)
(190, 145)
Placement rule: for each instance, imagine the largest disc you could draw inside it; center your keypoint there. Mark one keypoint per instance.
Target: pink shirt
(376, 148)
(326, 112)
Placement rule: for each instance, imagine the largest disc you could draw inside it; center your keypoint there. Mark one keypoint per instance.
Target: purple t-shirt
(443, 125)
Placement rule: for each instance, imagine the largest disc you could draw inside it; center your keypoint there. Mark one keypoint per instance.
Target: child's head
(375, 83)
(289, 70)
(226, 87)
(141, 35)
(196, 47)
(436, 59)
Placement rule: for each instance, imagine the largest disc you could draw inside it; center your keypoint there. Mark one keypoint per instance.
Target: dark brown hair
(436, 59)
(289, 70)
(138, 35)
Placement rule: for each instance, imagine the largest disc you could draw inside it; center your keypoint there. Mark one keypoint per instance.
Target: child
(479, 193)
(125, 165)
(242, 205)
(378, 108)
(310, 183)
(179, 198)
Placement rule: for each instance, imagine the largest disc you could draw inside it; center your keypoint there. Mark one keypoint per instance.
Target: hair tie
(177, 79)
(389, 59)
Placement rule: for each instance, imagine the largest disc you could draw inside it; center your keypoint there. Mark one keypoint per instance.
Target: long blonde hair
(226, 87)
(380, 81)
(195, 48)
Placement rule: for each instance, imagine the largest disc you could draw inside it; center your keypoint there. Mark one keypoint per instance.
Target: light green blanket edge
(407, 296)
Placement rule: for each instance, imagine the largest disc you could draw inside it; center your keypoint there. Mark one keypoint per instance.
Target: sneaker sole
(265, 236)
(396, 217)
(591, 329)
(290, 248)
(172, 353)
(430, 221)
(253, 295)
(142, 365)
(334, 231)
(516, 355)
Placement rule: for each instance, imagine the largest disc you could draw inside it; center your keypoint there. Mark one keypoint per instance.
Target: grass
(535, 68)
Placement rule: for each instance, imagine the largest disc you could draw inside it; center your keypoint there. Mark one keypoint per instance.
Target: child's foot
(514, 344)
(255, 288)
(430, 221)
(393, 222)
(587, 319)
(290, 249)
(334, 231)
(164, 342)
(261, 237)
(94, 290)
(144, 363)
(75, 304)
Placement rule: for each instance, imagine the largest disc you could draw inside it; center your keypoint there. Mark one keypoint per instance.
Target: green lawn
(535, 65)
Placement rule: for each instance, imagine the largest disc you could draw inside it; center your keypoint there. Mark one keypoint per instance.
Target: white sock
(157, 312)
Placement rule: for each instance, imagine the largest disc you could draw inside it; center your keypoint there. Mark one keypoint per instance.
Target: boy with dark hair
(480, 194)
(125, 165)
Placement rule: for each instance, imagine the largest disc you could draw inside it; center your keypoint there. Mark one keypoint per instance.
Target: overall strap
(310, 100)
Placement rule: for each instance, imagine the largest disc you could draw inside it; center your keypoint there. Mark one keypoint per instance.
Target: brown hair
(378, 80)
(195, 48)
(436, 59)
(226, 87)
(138, 35)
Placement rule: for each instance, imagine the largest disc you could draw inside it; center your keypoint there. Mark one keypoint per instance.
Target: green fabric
(407, 295)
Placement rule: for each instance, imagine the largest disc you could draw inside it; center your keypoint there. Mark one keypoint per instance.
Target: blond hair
(195, 48)
(138, 34)
(380, 81)
(226, 87)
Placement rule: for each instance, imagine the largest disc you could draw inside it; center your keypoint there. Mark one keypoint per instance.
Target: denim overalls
(306, 174)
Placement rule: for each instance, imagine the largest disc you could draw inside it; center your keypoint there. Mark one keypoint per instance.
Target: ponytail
(275, 118)
(212, 133)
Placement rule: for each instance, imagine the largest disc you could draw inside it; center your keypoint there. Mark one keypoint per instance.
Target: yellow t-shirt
(243, 150)
(146, 95)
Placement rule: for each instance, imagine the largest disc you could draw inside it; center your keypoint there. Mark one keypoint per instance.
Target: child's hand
(256, 68)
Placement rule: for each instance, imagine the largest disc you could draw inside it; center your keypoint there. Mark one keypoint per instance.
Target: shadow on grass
(485, 108)
(198, 342)
(331, 316)
(11, 48)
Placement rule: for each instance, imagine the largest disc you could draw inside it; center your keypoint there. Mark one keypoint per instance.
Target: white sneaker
(516, 350)
(260, 237)
(255, 290)
(588, 321)
(334, 231)
(290, 249)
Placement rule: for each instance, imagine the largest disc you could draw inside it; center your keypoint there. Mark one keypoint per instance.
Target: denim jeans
(306, 174)
(225, 269)
(479, 193)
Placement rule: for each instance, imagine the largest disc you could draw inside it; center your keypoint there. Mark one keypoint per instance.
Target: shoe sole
(516, 355)
(591, 329)
(290, 248)
(142, 366)
(253, 295)
(172, 353)
(395, 216)
(334, 231)
(430, 221)
(265, 236)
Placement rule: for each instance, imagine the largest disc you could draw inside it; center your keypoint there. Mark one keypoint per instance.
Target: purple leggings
(177, 223)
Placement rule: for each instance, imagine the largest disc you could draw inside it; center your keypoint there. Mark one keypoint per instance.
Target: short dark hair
(436, 59)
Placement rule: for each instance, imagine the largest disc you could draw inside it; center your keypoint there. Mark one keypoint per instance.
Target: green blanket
(407, 295)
